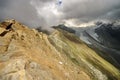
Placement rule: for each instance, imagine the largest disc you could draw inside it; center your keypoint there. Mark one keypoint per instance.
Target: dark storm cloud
(87, 10)
(3, 3)
(20, 10)
(47, 12)
(113, 14)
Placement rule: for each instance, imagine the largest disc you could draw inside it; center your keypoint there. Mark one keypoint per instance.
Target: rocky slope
(26, 54)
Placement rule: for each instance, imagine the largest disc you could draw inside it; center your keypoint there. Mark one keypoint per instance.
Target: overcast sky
(46, 13)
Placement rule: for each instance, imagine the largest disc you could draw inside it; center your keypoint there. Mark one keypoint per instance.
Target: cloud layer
(46, 13)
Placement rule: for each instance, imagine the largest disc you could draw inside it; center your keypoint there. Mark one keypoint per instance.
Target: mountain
(27, 54)
(104, 38)
(63, 27)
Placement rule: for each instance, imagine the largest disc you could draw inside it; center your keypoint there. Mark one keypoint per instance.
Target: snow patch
(93, 34)
(85, 39)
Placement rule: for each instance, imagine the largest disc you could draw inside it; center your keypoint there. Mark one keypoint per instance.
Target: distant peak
(63, 27)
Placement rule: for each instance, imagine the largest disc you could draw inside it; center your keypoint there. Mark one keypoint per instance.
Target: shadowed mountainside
(26, 54)
(104, 38)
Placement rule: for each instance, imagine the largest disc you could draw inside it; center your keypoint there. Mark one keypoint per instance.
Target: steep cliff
(26, 54)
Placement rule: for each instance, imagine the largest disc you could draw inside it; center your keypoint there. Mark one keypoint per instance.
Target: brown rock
(26, 54)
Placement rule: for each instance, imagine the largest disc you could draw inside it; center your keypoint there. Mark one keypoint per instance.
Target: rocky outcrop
(26, 54)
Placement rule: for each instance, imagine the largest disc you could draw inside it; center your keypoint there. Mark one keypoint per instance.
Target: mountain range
(104, 38)
(65, 54)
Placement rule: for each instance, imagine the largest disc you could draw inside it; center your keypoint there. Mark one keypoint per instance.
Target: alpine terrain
(28, 54)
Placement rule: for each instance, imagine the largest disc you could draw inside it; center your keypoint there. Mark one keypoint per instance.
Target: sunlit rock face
(26, 54)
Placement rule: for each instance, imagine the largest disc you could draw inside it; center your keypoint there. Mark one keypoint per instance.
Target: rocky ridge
(26, 54)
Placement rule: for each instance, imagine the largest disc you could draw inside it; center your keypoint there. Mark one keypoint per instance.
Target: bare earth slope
(26, 54)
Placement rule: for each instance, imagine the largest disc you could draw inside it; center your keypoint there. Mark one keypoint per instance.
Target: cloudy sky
(46, 13)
